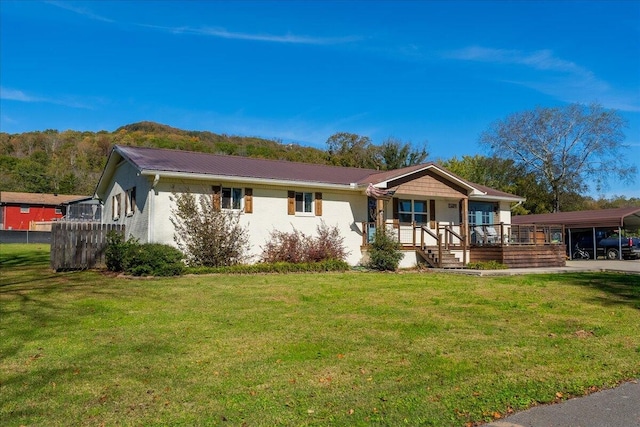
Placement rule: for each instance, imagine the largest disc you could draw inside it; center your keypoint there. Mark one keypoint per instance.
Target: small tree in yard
(208, 237)
(384, 254)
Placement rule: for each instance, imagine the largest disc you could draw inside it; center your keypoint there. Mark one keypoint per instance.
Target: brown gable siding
(428, 184)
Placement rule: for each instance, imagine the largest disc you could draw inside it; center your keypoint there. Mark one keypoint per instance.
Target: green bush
(149, 259)
(486, 265)
(384, 253)
(116, 250)
(153, 259)
(277, 267)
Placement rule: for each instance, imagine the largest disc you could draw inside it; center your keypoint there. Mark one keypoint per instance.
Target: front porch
(454, 246)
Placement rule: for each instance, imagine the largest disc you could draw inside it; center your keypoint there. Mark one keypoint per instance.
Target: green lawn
(82, 348)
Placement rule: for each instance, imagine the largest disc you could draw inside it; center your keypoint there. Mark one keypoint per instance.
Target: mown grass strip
(83, 348)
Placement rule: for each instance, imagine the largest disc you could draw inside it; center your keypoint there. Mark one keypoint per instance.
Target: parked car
(609, 245)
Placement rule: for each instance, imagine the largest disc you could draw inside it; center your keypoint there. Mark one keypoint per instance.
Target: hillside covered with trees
(70, 162)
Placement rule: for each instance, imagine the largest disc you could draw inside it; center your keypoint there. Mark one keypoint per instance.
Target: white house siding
(343, 209)
(136, 224)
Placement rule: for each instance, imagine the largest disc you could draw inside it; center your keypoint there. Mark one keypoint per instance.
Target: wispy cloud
(17, 95)
(217, 31)
(225, 34)
(9, 94)
(540, 60)
(80, 10)
(557, 77)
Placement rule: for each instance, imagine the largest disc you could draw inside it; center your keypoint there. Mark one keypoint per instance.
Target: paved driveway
(630, 266)
(626, 266)
(617, 407)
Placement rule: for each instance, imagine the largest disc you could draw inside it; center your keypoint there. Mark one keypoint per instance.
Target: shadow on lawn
(617, 288)
(42, 299)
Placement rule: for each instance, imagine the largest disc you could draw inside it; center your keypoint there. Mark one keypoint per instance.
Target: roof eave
(485, 196)
(440, 171)
(245, 179)
(109, 168)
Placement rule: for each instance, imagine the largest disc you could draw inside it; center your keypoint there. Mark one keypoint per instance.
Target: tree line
(551, 156)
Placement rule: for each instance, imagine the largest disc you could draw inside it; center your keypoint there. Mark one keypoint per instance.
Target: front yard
(82, 348)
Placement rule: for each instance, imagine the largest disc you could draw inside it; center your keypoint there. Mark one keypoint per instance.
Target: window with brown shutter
(217, 189)
(248, 200)
(432, 213)
(318, 204)
(291, 203)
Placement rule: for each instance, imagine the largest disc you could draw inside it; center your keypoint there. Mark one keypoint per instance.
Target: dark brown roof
(223, 165)
(188, 162)
(495, 193)
(11, 197)
(629, 217)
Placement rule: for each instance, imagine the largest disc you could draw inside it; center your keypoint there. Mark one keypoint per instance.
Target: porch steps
(430, 255)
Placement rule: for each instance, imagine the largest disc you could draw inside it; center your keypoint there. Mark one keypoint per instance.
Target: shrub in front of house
(153, 259)
(278, 267)
(208, 237)
(384, 253)
(116, 250)
(486, 265)
(296, 247)
(149, 259)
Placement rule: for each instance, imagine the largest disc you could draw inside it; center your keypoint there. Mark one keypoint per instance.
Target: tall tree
(571, 149)
(503, 175)
(351, 150)
(395, 154)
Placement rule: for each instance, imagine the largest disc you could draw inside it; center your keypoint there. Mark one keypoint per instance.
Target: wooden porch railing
(521, 234)
(444, 237)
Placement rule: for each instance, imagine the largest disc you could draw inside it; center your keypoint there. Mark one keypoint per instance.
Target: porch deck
(521, 245)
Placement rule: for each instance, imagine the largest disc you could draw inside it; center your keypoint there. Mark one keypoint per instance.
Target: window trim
(236, 198)
(25, 209)
(412, 212)
(115, 207)
(130, 201)
(245, 199)
(313, 203)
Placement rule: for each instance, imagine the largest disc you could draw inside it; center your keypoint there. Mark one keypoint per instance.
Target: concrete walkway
(626, 266)
(618, 407)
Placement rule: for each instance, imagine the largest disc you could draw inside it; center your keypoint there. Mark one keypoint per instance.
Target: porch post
(465, 221)
(380, 215)
(464, 224)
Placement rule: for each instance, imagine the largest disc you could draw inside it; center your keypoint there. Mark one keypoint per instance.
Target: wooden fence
(80, 245)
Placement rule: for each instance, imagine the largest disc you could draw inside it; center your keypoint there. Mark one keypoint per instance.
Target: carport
(582, 222)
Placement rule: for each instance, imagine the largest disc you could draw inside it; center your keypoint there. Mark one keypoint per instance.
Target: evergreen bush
(384, 253)
(153, 259)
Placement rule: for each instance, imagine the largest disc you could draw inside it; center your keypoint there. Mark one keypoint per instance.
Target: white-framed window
(130, 201)
(231, 198)
(115, 207)
(304, 202)
(24, 209)
(58, 211)
(413, 211)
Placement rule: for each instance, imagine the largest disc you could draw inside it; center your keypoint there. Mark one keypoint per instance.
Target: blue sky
(430, 72)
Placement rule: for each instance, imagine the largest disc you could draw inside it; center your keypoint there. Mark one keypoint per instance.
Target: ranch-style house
(438, 217)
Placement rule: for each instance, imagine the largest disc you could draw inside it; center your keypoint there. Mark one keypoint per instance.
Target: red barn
(19, 210)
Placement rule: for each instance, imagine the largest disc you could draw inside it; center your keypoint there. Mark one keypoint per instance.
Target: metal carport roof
(620, 217)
